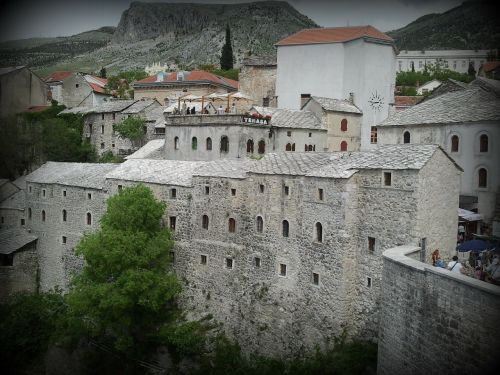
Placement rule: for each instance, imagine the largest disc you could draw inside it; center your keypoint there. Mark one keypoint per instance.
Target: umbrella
(474, 246)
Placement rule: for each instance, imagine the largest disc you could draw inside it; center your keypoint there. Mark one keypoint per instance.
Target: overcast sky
(38, 18)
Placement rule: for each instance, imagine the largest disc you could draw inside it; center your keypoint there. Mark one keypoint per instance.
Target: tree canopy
(227, 58)
(131, 128)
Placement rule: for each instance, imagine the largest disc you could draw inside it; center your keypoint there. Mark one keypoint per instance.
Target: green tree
(132, 128)
(125, 296)
(102, 73)
(227, 58)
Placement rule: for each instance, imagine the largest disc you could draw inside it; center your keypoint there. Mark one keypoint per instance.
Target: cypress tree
(227, 58)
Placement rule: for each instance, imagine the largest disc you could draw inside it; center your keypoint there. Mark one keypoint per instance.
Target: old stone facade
(285, 250)
(432, 317)
(257, 79)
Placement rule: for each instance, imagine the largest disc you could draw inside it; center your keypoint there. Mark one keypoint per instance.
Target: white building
(457, 60)
(466, 124)
(335, 62)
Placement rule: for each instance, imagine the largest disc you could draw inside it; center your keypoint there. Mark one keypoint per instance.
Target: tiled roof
(490, 65)
(10, 69)
(337, 105)
(260, 61)
(139, 106)
(12, 240)
(192, 76)
(168, 172)
(88, 175)
(98, 89)
(15, 201)
(150, 150)
(113, 106)
(487, 84)
(406, 101)
(289, 118)
(264, 111)
(58, 76)
(291, 163)
(227, 168)
(471, 104)
(76, 110)
(334, 35)
(97, 84)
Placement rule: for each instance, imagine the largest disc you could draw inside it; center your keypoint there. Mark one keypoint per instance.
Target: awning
(469, 215)
(12, 240)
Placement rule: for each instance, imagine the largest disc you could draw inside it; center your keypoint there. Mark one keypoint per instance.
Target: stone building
(285, 250)
(466, 124)
(167, 88)
(20, 89)
(341, 118)
(257, 79)
(360, 60)
(12, 204)
(99, 123)
(77, 89)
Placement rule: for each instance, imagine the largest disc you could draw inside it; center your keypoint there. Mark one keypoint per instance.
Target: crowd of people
(484, 265)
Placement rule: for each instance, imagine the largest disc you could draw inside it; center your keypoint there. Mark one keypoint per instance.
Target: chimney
(351, 98)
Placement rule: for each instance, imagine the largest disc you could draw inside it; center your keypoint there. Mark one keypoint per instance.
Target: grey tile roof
(113, 106)
(468, 105)
(168, 172)
(228, 168)
(3, 181)
(76, 110)
(290, 163)
(151, 150)
(264, 111)
(139, 106)
(288, 118)
(487, 83)
(14, 239)
(89, 175)
(16, 201)
(20, 182)
(337, 105)
(10, 69)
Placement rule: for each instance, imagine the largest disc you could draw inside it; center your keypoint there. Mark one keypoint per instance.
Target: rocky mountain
(188, 34)
(472, 25)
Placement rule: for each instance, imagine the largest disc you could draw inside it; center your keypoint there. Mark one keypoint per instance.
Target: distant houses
(456, 60)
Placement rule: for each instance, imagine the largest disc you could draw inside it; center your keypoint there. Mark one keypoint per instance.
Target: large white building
(335, 63)
(457, 60)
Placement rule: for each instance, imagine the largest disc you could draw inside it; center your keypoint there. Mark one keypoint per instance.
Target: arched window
(293, 147)
(343, 146)
(260, 224)
(43, 215)
(310, 148)
(288, 147)
(305, 148)
(64, 215)
(224, 144)
(406, 137)
(232, 225)
(262, 147)
(286, 228)
(483, 143)
(343, 125)
(204, 222)
(194, 143)
(483, 178)
(250, 146)
(89, 218)
(454, 143)
(209, 144)
(176, 143)
(29, 213)
(319, 232)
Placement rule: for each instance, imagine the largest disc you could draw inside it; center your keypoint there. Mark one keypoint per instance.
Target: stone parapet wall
(434, 321)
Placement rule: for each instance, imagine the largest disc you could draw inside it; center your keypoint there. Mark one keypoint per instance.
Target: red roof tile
(58, 76)
(97, 88)
(194, 75)
(103, 80)
(333, 35)
(490, 65)
(407, 101)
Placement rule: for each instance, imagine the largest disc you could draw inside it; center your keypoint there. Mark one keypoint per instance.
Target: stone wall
(98, 130)
(435, 321)
(259, 82)
(22, 275)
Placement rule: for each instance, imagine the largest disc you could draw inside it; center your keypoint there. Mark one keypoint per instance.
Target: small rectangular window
(64, 239)
(22, 222)
(30, 189)
(286, 190)
(43, 192)
(172, 257)
(120, 187)
(173, 193)
(77, 85)
(310, 135)
(387, 178)
(113, 145)
(229, 263)
(64, 193)
(257, 262)
(2, 220)
(89, 195)
(233, 192)
(102, 116)
(373, 135)
(315, 278)
(173, 220)
(203, 259)
(102, 145)
(261, 188)
(7, 259)
(102, 129)
(289, 133)
(320, 194)
(282, 269)
(207, 190)
(371, 243)
(114, 115)
(369, 282)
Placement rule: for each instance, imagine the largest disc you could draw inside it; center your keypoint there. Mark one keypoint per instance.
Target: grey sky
(36, 18)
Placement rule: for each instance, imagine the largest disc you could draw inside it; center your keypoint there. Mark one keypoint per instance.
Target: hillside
(472, 25)
(188, 34)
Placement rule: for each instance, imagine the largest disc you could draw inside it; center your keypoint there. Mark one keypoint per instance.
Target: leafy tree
(227, 58)
(131, 128)
(109, 157)
(125, 297)
(102, 73)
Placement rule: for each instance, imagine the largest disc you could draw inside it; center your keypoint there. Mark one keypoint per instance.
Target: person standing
(455, 265)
